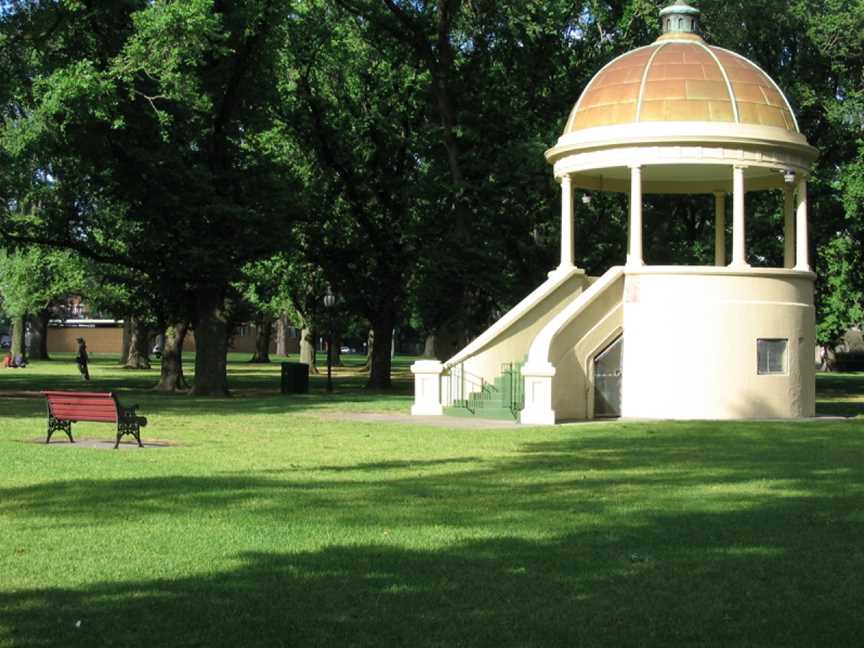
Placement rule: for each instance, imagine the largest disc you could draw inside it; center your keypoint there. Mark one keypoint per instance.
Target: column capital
(741, 166)
(635, 167)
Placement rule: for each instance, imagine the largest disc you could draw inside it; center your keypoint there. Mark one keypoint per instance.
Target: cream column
(719, 229)
(634, 251)
(802, 260)
(566, 223)
(739, 250)
(788, 226)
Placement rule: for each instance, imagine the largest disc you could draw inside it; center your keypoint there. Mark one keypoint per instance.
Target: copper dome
(679, 78)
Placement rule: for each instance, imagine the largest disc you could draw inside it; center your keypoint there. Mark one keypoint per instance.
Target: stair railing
(516, 384)
(464, 389)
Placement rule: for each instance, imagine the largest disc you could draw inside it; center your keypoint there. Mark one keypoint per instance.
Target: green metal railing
(512, 372)
(470, 392)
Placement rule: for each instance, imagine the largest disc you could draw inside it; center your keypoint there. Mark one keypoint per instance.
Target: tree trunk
(307, 349)
(337, 352)
(283, 326)
(18, 329)
(139, 345)
(449, 339)
(370, 346)
(379, 368)
(430, 347)
(39, 335)
(126, 342)
(263, 333)
(211, 343)
(171, 377)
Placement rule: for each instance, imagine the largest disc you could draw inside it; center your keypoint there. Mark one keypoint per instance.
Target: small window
(771, 356)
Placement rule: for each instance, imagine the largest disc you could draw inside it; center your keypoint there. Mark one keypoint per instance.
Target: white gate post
(427, 388)
(538, 394)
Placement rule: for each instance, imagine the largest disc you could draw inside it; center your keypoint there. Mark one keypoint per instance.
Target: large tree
(144, 120)
(351, 113)
(31, 279)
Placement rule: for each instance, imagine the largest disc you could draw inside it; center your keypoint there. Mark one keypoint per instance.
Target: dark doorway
(607, 380)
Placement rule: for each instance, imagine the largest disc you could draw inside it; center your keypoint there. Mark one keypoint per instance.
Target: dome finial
(680, 17)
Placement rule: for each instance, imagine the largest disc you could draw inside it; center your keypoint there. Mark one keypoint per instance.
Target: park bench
(66, 408)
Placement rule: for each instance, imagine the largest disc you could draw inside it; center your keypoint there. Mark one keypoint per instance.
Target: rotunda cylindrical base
(718, 343)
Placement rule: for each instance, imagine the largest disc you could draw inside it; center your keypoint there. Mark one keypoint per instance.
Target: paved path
(406, 419)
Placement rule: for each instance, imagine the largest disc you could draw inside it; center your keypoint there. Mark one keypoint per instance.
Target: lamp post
(329, 302)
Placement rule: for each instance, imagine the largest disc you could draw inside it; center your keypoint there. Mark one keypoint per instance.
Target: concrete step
(495, 413)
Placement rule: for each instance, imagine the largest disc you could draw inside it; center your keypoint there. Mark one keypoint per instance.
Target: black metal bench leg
(137, 432)
(58, 424)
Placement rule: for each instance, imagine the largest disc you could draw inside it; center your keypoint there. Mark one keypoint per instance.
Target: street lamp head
(586, 199)
(329, 298)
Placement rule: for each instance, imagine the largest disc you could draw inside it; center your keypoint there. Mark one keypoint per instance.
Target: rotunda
(727, 341)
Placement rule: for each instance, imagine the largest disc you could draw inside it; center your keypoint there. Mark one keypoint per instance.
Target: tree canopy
(393, 148)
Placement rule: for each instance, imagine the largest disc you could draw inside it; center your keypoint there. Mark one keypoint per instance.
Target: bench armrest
(127, 411)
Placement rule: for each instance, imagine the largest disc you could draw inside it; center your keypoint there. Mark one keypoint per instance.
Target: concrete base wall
(690, 338)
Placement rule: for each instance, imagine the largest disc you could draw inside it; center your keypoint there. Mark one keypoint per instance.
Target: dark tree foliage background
(394, 146)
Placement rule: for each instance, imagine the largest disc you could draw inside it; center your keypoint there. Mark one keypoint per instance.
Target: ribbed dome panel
(681, 80)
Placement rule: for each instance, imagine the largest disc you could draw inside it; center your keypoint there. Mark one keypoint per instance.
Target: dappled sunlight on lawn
(266, 523)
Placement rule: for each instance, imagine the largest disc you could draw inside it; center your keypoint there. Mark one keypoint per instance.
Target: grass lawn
(280, 521)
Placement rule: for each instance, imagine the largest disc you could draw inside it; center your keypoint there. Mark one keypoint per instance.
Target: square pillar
(538, 394)
(720, 228)
(788, 226)
(802, 255)
(427, 388)
(566, 223)
(634, 249)
(739, 249)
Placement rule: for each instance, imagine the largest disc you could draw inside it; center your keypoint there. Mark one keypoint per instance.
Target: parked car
(5, 341)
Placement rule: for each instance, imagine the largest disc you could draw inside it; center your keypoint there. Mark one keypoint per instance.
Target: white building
(727, 341)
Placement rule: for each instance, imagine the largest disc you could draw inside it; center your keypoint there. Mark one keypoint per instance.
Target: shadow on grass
(622, 559)
(840, 394)
(402, 464)
(254, 391)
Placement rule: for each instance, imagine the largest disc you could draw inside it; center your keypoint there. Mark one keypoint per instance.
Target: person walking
(823, 357)
(81, 359)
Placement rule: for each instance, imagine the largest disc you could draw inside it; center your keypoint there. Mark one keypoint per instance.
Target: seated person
(19, 362)
(7, 361)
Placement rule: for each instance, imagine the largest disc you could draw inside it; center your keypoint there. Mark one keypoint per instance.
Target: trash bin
(295, 378)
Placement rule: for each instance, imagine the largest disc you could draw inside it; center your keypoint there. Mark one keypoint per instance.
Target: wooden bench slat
(83, 415)
(109, 404)
(90, 407)
(65, 394)
(83, 408)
